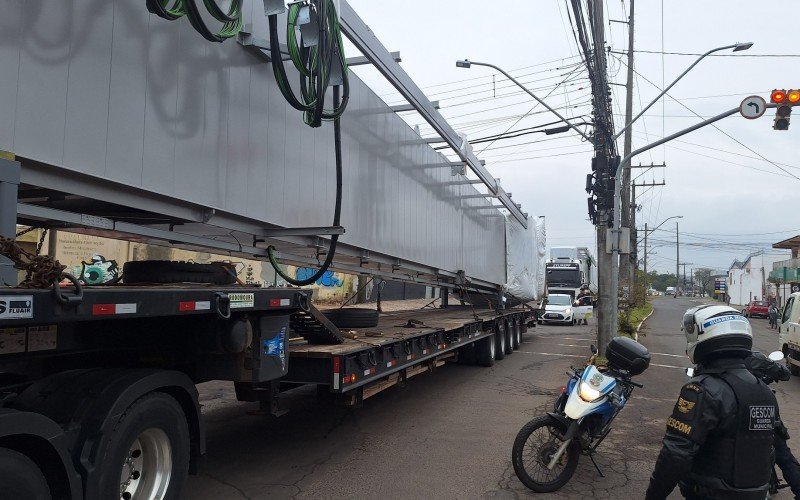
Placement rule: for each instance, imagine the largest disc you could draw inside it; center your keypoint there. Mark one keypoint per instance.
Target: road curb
(636, 336)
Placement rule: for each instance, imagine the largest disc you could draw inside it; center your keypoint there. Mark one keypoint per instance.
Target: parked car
(558, 309)
(756, 308)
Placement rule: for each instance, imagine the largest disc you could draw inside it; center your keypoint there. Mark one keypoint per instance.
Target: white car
(559, 309)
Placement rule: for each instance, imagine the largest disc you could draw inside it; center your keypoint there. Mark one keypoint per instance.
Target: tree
(661, 281)
(702, 276)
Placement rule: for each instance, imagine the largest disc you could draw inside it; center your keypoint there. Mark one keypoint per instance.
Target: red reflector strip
(337, 364)
(103, 309)
(280, 302)
(200, 305)
(111, 309)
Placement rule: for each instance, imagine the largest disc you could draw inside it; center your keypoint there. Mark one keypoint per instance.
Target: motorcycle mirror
(690, 372)
(593, 348)
(776, 356)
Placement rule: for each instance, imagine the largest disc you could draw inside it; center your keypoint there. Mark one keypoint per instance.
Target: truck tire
(167, 271)
(517, 334)
(355, 317)
(509, 327)
(793, 369)
(500, 340)
(147, 452)
(485, 351)
(20, 477)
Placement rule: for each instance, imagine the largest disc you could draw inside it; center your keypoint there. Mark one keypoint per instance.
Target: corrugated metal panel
(106, 89)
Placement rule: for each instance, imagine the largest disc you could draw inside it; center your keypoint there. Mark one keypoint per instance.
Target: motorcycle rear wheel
(533, 448)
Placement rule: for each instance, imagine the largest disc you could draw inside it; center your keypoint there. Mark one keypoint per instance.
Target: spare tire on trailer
(168, 271)
(356, 317)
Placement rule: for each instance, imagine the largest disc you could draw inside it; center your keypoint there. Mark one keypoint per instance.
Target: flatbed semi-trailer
(404, 343)
(98, 383)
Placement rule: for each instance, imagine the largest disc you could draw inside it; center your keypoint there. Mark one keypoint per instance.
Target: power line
(737, 141)
(662, 52)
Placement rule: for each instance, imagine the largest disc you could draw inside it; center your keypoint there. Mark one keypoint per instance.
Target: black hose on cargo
(337, 210)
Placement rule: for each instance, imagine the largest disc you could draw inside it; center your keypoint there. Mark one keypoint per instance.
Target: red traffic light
(778, 96)
(793, 96)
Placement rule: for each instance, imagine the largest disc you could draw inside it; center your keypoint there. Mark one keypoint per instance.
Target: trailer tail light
(337, 366)
(280, 302)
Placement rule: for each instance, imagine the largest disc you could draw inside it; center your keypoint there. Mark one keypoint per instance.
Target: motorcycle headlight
(588, 393)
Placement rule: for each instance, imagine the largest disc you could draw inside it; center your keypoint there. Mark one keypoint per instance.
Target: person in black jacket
(719, 438)
(770, 371)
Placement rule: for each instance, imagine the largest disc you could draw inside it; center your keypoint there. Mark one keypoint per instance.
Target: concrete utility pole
(645, 254)
(626, 262)
(603, 146)
(677, 258)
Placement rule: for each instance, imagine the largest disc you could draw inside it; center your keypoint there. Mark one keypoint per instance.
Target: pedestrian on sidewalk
(719, 441)
(773, 315)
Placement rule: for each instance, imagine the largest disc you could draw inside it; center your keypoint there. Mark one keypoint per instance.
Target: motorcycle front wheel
(534, 447)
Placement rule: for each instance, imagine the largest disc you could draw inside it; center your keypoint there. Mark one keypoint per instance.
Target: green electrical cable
(232, 22)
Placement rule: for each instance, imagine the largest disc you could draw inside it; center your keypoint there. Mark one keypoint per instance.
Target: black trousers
(788, 465)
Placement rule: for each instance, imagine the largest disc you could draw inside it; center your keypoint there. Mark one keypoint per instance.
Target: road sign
(753, 107)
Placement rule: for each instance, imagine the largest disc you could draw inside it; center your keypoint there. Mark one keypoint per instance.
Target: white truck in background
(789, 333)
(568, 269)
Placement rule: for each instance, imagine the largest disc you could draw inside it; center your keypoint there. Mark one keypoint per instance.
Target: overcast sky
(733, 201)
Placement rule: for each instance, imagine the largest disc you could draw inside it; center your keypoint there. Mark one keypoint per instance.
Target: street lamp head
(464, 63)
(742, 46)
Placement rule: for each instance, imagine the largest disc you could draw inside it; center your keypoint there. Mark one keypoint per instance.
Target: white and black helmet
(712, 330)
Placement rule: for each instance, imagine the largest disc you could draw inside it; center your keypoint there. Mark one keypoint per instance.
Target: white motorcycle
(546, 450)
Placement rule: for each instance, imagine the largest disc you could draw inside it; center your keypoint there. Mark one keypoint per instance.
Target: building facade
(748, 279)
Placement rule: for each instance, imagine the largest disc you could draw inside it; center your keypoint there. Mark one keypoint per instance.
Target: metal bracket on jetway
(361, 60)
(458, 169)
(258, 46)
(408, 107)
(302, 231)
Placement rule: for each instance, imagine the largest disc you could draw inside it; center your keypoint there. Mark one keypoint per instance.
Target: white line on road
(665, 354)
(668, 366)
(555, 354)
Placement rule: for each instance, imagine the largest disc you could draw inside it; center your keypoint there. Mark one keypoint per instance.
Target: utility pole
(645, 254)
(626, 262)
(677, 257)
(604, 154)
(634, 255)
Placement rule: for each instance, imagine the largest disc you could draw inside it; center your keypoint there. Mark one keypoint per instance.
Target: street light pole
(618, 199)
(466, 63)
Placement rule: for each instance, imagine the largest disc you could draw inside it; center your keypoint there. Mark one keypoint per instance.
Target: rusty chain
(41, 271)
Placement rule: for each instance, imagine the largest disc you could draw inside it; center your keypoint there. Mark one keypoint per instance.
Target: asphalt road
(448, 434)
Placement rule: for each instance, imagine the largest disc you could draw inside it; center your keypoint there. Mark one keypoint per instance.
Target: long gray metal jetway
(124, 124)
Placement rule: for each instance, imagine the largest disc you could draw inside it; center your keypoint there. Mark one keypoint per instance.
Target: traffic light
(785, 100)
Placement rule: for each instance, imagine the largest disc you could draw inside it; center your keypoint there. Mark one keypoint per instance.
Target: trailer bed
(403, 344)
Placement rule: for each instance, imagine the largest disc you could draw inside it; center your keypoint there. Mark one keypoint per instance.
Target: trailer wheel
(485, 351)
(20, 477)
(499, 341)
(793, 368)
(517, 334)
(509, 327)
(147, 453)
